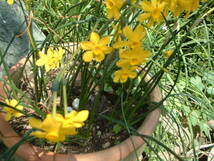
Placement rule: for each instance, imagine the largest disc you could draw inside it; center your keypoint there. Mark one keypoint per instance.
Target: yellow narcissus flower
(134, 37)
(12, 112)
(152, 11)
(113, 8)
(50, 128)
(123, 74)
(179, 6)
(55, 129)
(96, 48)
(51, 60)
(134, 57)
(10, 2)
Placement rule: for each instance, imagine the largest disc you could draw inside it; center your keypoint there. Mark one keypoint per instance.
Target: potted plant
(126, 150)
(98, 88)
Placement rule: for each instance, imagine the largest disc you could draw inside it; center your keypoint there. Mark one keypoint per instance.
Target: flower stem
(54, 104)
(65, 103)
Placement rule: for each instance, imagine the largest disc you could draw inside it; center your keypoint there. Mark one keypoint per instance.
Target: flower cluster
(131, 53)
(56, 128)
(51, 60)
(179, 6)
(153, 10)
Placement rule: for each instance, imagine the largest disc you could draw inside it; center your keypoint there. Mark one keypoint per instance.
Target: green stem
(65, 103)
(54, 104)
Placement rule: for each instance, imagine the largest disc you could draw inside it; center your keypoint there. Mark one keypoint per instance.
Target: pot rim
(117, 152)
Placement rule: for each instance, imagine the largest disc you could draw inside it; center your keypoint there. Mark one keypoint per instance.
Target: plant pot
(125, 151)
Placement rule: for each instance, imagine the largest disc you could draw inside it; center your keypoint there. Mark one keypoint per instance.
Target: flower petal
(68, 131)
(71, 115)
(104, 41)
(7, 101)
(61, 51)
(132, 74)
(88, 56)
(13, 102)
(106, 49)
(120, 44)
(7, 116)
(42, 61)
(127, 31)
(81, 116)
(144, 16)
(99, 57)
(47, 67)
(53, 136)
(87, 45)
(146, 6)
(77, 124)
(19, 107)
(35, 123)
(18, 114)
(139, 33)
(94, 37)
(38, 134)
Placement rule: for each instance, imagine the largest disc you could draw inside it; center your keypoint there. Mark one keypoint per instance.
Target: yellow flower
(179, 6)
(113, 8)
(123, 74)
(134, 57)
(76, 119)
(51, 60)
(12, 112)
(96, 48)
(55, 129)
(152, 11)
(50, 128)
(168, 53)
(10, 2)
(134, 37)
